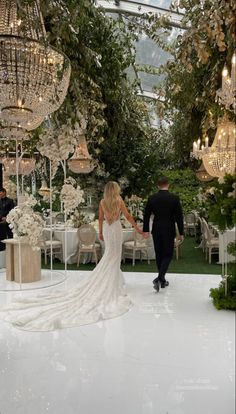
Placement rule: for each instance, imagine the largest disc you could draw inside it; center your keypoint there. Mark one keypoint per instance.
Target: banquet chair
(177, 244)
(87, 242)
(59, 218)
(203, 238)
(46, 248)
(190, 224)
(137, 245)
(211, 242)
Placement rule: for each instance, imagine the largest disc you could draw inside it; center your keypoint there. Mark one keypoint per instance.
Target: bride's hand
(101, 237)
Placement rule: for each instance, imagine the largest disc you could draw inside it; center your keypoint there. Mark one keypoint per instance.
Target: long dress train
(101, 295)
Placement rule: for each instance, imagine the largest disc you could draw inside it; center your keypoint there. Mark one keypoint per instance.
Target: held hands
(144, 234)
(180, 238)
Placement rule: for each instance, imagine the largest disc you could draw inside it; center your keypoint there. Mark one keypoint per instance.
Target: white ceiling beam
(137, 9)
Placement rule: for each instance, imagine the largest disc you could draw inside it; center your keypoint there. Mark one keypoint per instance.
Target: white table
(225, 238)
(69, 241)
(68, 238)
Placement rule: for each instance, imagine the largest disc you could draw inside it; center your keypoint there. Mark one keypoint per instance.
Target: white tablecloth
(69, 241)
(224, 239)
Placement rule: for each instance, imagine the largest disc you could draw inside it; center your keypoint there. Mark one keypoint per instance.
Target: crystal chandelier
(227, 94)
(14, 133)
(22, 166)
(44, 191)
(34, 77)
(81, 161)
(202, 174)
(219, 159)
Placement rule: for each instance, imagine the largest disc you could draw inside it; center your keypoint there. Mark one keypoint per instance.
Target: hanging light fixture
(44, 191)
(227, 94)
(81, 162)
(219, 159)
(14, 133)
(24, 165)
(34, 76)
(202, 174)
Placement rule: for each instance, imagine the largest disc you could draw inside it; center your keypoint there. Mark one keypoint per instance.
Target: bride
(101, 295)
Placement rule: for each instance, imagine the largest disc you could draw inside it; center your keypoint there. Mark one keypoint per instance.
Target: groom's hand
(146, 235)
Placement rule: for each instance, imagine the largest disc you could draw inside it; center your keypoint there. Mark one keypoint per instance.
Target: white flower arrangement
(57, 143)
(95, 224)
(25, 223)
(123, 182)
(78, 218)
(135, 206)
(233, 193)
(71, 195)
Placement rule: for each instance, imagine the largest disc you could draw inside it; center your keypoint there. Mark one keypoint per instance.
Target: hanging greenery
(193, 73)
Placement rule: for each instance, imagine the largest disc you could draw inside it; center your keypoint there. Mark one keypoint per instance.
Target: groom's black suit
(167, 211)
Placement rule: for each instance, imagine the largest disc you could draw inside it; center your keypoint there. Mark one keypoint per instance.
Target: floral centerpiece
(78, 218)
(71, 195)
(135, 206)
(26, 224)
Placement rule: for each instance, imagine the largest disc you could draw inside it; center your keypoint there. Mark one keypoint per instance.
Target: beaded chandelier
(34, 77)
(44, 191)
(226, 95)
(81, 162)
(202, 174)
(22, 166)
(219, 159)
(14, 133)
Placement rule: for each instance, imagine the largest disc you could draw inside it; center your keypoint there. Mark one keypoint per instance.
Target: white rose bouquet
(25, 223)
(71, 195)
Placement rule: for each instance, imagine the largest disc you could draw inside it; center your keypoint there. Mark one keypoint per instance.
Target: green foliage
(222, 209)
(184, 184)
(222, 301)
(101, 50)
(194, 74)
(222, 212)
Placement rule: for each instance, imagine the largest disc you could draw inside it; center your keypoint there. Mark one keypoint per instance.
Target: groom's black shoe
(156, 285)
(164, 284)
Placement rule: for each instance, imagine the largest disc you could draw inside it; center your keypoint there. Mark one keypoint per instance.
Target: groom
(167, 211)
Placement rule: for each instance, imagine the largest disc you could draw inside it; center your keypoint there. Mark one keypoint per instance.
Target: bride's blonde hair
(111, 198)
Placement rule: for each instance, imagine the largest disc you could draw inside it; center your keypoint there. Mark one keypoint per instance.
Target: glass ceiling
(158, 3)
(148, 53)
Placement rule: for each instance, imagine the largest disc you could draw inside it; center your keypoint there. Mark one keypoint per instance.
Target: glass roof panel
(165, 4)
(148, 53)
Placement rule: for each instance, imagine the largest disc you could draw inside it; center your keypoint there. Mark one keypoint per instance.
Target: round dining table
(69, 239)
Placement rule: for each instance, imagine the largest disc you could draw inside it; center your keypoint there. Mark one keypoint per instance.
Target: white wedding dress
(100, 296)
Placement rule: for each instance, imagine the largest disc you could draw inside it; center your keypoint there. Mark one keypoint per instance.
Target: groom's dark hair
(162, 181)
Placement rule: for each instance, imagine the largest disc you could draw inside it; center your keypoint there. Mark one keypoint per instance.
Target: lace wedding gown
(101, 295)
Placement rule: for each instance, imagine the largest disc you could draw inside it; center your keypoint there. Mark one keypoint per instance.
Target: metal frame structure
(137, 9)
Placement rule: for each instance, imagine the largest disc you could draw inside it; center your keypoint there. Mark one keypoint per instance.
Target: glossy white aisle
(173, 353)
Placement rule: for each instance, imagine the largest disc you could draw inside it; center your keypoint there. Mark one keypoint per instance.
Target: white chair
(137, 245)
(190, 224)
(177, 245)
(203, 239)
(59, 218)
(211, 242)
(47, 246)
(87, 242)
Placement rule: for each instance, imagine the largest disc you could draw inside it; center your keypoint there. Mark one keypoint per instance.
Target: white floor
(173, 353)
